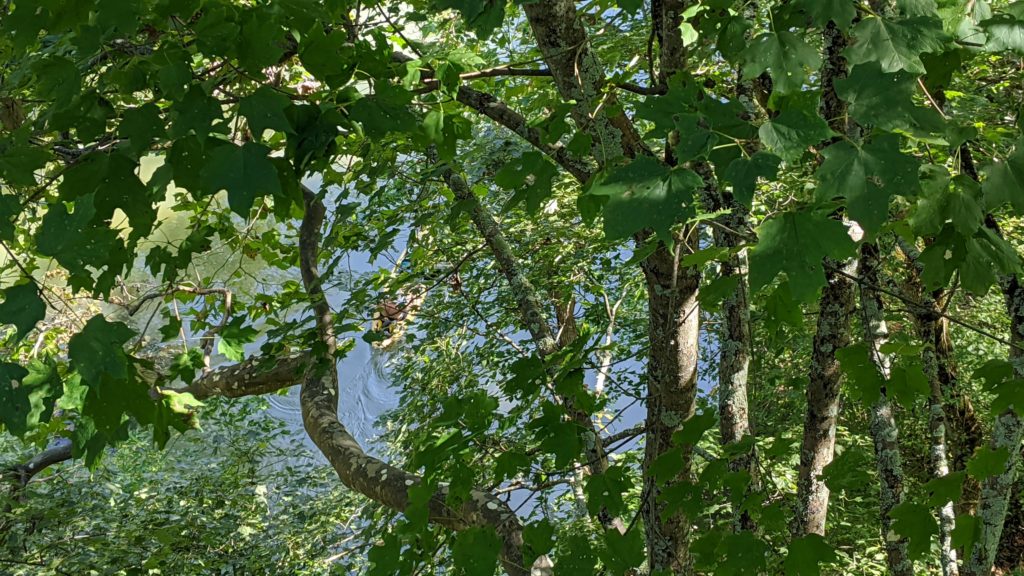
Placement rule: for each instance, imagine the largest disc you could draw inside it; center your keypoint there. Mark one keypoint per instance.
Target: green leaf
(915, 523)
(842, 12)
(1003, 32)
(867, 177)
(233, 338)
(877, 98)
(917, 7)
(113, 181)
(861, 372)
(956, 200)
(75, 242)
(244, 171)
(796, 243)
(481, 16)
(476, 550)
(1004, 182)
(141, 125)
(714, 292)
(807, 554)
(538, 539)
(264, 109)
(19, 161)
(796, 127)
(97, 351)
(744, 172)
(948, 488)
(646, 194)
(327, 57)
(622, 553)
(530, 176)
(896, 44)
(23, 307)
(196, 112)
(606, 490)
(988, 462)
(27, 397)
(789, 58)
(260, 43)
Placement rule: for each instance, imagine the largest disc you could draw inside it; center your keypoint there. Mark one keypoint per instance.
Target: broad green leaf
(744, 172)
(264, 109)
(948, 488)
(112, 180)
(796, 243)
(244, 171)
(797, 126)
(196, 112)
(979, 258)
(807, 554)
(917, 7)
(27, 397)
(877, 98)
(476, 551)
(789, 58)
(867, 177)
(142, 125)
(1003, 32)
(234, 337)
(481, 16)
(76, 243)
(23, 307)
(861, 372)
(538, 539)
(1004, 182)
(19, 161)
(896, 44)
(260, 43)
(915, 523)
(945, 199)
(646, 194)
(988, 462)
(842, 12)
(622, 553)
(605, 491)
(97, 351)
(530, 176)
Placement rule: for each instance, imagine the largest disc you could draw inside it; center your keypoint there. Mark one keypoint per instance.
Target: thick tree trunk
(579, 76)
(884, 430)
(672, 384)
(818, 446)
(996, 493)
(833, 327)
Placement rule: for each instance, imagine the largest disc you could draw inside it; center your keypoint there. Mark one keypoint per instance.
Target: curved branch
(359, 471)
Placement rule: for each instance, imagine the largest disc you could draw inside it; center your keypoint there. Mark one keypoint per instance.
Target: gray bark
(884, 430)
(927, 321)
(832, 333)
(1006, 434)
(672, 385)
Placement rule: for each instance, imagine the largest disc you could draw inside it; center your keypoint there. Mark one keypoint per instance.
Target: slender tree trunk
(927, 320)
(832, 333)
(1006, 435)
(884, 430)
(672, 385)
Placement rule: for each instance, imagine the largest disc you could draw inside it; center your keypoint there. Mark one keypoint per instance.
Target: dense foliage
(689, 286)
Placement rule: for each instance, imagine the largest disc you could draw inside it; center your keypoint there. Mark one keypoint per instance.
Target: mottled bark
(884, 430)
(928, 323)
(579, 77)
(359, 471)
(672, 385)
(256, 375)
(1010, 555)
(1006, 435)
(835, 308)
(496, 110)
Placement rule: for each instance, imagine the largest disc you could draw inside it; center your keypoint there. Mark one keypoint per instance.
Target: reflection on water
(365, 394)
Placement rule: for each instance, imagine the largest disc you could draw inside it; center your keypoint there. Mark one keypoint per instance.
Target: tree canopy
(666, 287)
